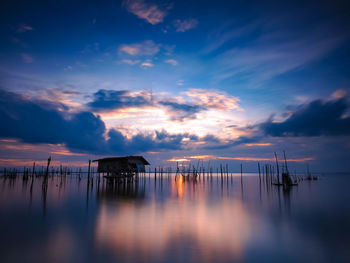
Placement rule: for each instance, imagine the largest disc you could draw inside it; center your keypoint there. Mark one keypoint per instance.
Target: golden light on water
(180, 185)
(218, 230)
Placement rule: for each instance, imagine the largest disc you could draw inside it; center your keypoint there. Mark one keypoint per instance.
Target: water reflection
(180, 183)
(173, 219)
(217, 231)
(122, 190)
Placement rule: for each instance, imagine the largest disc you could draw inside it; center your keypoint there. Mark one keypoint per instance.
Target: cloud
(147, 64)
(145, 48)
(258, 144)
(172, 62)
(213, 99)
(340, 93)
(27, 58)
(144, 142)
(180, 82)
(130, 49)
(105, 100)
(247, 159)
(258, 50)
(42, 122)
(178, 108)
(318, 118)
(160, 140)
(184, 25)
(262, 61)
(228, 32)
(36, 121)
(181, 111)
(24, 28)
(130, 61)
(198, 100)
(13, 162)
(152, 13)
(211, 139)
(110, 99)
(61, 97)
(219, 145)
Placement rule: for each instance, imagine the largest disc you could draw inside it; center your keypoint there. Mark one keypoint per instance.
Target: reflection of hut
(121, 191)
(126, 166)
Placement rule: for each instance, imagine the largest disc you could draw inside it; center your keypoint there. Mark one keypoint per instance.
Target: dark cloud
(181, 111)
(43, 122)
(116, 99)
(318, 118)
(161, 140)
(211, 139)
(216, 144)
(144, 142)
(314, 119)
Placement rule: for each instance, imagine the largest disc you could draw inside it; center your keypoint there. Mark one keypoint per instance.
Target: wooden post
(31, 184)
(33, 171)
(241, 172)
(285, 161)
(88, 171)
(47, 167)
(277, 170)
(242, 178)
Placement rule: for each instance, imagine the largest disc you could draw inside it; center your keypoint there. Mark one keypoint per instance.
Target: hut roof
(125, 158)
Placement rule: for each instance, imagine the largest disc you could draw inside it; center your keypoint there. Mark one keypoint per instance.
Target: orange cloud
(65, 97)
(150, 12)
(264, 159)
(340, 93)
(214, 99)
(23, 162)
(50, 149)
(258, 144)
(145, 48)
(202, 157)
(213, 157)
(8, 140)
(178, 160)
(21, 147)
(68, 153)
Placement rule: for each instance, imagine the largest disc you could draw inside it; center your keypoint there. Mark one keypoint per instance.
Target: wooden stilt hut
(121, 167)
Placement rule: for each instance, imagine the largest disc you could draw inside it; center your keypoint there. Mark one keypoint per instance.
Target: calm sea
(175, 219)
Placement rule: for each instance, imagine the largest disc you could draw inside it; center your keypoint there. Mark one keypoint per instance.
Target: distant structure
(127, 166)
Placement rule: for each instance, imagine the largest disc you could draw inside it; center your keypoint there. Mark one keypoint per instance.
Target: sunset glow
(248, 159)
(151, 78)
(151, 131)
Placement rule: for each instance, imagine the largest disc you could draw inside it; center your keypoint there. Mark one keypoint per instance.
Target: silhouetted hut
(126, 166)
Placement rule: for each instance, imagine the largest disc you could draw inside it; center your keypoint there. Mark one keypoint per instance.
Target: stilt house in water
(127, 166)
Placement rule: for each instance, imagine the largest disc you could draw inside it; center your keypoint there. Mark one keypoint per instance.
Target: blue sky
(229, 81)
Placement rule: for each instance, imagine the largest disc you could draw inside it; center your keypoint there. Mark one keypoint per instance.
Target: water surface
(212, 219)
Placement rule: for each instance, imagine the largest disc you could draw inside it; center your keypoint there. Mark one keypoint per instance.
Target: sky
(226, 82)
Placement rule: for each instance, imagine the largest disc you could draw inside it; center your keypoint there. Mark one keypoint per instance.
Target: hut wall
(111, 166)
(121, 165)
